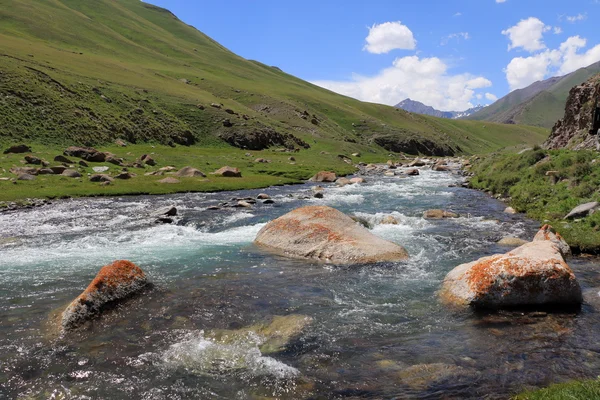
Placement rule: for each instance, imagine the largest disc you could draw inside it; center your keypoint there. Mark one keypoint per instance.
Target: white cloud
(491, 97)
(389, 36)
(458, 36)
(576, 18)
(527, 34)
(422, 79)
(523, 71)
(458, 14)
(557, 30)
(500, 1)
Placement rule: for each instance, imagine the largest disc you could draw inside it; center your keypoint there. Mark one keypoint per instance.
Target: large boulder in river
(325, 234)
(547, 232)
(531, 275)
(324, 176)
(114, 283)
(439, 214)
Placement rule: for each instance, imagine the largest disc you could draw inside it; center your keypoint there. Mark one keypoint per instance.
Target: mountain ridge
(421, 108)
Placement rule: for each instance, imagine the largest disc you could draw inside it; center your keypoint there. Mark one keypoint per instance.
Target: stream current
(377, 331)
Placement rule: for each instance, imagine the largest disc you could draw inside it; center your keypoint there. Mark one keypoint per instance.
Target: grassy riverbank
(280, 170)
(546, 185)
(579, 390)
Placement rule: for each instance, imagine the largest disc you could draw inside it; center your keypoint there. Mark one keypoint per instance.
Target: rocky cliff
(573, 130)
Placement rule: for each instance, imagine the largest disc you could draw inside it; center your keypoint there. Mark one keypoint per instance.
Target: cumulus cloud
(423, 79)
(527, 34)
(523, 71)
(557, 30)
(389, 36)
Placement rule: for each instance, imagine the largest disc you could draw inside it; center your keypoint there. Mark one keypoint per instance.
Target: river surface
(377, 331)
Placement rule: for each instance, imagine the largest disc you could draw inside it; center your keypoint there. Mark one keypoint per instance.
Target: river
(376, 331)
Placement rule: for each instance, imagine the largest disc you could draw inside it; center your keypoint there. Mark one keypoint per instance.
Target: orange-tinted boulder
(323, 233)
(324, 176)
(547, 232)
(113, 283)
(229, 172)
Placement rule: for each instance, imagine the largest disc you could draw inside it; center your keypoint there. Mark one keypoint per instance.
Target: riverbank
(546, 185)
(259, 169)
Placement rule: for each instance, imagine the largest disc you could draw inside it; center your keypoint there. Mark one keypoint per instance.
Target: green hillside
(540, 104)
(82, 72)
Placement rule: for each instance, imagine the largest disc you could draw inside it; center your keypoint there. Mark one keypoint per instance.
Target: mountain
(91, 72)
(419, 108)
(572, 131)
(540, 104)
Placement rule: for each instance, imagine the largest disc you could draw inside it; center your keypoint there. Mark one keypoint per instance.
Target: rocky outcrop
(573, 130)
(325, 234)
(229, 172)
(114, 282)
(87, 153)
(260, 139)
(401, 144)
(533, 274)
(20, 148)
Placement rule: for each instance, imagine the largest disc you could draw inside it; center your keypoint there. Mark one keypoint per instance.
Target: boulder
(189, 172)
(318, 195)
(510, 210)
(263, 196)
(59, 169)
(412, 172)
(324, 176)
(229, 172)
(323, 233)
(357, 180)
(45, 171)
(439, 214)
(87, 153)
(389, 174)
(114, 283)
(111, 158)
(512, 241)
(169, 180)
(244, 204)
(261, 160)
(170, 211)
(25, 177)
(71, 173)
(389, 220)
(583, 210)
(124, 175)
(20, 148)
(83, 164)
(533, 274)
(121, 143)
(440, 168)
(100, 169)
(100, 178)
(547, 232)
(417, 163)
(33, 160)
(62, 159)
(341, 182)
(24, 170)
(146, 159)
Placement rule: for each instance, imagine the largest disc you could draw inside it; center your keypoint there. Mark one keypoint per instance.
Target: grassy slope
(542, 109)
(584, 390)
(522, 178)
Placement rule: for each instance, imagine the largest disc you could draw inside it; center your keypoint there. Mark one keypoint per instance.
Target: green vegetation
(578, 390)
(280, 170)
(547, 185)
(540, 104)
(76, 72)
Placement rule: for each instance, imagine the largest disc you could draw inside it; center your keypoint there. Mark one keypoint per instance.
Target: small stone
(510, 210)
(263, 196)
(71, 173)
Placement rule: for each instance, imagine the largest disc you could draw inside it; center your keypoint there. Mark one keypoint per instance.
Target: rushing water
(377, 331)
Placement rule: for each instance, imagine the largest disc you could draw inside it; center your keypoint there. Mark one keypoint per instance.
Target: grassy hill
(540, 104)
(80, 72)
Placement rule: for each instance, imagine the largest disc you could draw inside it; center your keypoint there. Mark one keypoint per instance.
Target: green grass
(577, 390)
(207, 159)
(522, 178)
(59, 57)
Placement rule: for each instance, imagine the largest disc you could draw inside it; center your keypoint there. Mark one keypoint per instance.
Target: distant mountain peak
(420, 108)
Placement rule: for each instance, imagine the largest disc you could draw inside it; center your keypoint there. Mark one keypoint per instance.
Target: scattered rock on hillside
(71, 173)
(324, 176)
(24, 170)
(62, 159)
(87, 153)
(124, 175)
(325, 234)
(583, 210)
(25, 177)
(83, 163)
(547, 233)
(146, 159)
(169, 180)
(59, 169)
(262, 138)
(439, 214)
(45, 171)
(121, 143)
(33, 160)
(20, 148)
(533, 274)
(228, 172)
(189, 172)
(114, 283)
(100, 178)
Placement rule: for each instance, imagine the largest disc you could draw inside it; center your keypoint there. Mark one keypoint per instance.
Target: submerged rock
(439, 214)
(324, 176)
(533, 274)
(325, 234)
(113, 283)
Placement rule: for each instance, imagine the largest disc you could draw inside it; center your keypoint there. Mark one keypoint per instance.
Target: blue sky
(448, 54)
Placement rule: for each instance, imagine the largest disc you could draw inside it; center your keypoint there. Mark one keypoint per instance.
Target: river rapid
(376, 331)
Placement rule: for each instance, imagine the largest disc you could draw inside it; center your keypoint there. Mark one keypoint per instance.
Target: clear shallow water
(377, 331)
